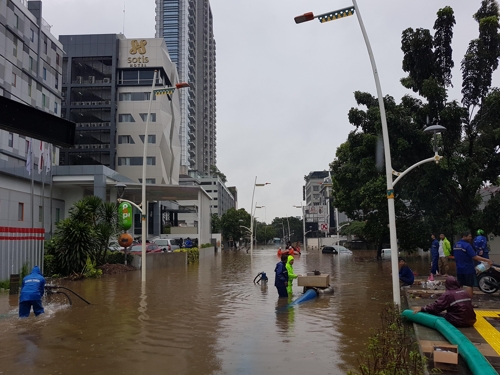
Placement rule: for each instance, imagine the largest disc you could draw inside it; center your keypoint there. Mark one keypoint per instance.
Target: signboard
(125, 212)
(138, 46)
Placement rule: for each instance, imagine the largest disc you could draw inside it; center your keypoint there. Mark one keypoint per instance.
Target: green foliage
(280, 225)
(431, 198)
(84, 234)
(24, 270)
(214, 171)
(205, 245)
(117, 257)
(193, 254)
(5, 284)
(231, 226)
(392, 349)
(264, 232)
(49, 265)
(90, 269)
(216, 223)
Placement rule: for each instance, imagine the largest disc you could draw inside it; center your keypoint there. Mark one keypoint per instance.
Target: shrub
(205, 245)
(192, 256)
(49, 265)
(90, 269)
(392, 349)
(117, 257)
(5, 284)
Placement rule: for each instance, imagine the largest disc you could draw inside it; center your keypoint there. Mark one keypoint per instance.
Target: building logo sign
(138, 47)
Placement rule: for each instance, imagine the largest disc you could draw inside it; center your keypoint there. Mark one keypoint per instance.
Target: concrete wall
(162, 260)
(207, 253)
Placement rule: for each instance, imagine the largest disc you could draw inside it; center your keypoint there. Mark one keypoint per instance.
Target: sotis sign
(138, 47)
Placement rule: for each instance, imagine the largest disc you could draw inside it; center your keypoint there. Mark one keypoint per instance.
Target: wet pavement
(208, 318)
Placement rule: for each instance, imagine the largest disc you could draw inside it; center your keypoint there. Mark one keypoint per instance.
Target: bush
(90, 269)
(205, 245)
(391, 350)
(49, 265)
(117, 257)
(192, 256)
(5, 284)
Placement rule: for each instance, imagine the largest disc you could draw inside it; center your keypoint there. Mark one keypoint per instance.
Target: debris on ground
(113, 269)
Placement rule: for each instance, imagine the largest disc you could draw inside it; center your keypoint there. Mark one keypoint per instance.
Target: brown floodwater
(207, 319)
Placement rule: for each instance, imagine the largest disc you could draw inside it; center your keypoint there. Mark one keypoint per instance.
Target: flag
(29, 158)
(40, 158)
(48, 159)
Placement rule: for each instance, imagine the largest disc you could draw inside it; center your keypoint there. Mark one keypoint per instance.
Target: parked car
(166, 244)
(113, 246)
(329, 250)
(150, 248)
(342, 249)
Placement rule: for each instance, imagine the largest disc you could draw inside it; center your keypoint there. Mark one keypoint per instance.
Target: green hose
(472, 356)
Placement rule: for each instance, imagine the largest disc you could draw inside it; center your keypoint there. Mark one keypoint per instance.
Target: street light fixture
(255, 184)
(385, 135)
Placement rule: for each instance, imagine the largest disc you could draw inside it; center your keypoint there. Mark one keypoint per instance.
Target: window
(125, 139)
(137, 161)
(40, 214)
(44, 74)
(144, 116)
(125, 117)
(151, 138)
(134, 96)
(20, 212)
(14, 79)
(55, 108)
(26, 147)
(29, 89)
(16, 21)
(58, 59)
(58, 215)
(11, 139)
(148, 180)
(57, 80)
(14, 47)
(32, 38)
(45, 47)
(31, 63)
(315, 188)
(43, 100)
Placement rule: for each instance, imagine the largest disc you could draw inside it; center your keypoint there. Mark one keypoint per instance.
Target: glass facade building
(187, 28)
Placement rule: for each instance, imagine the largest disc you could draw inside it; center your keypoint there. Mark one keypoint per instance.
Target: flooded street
(206, 319)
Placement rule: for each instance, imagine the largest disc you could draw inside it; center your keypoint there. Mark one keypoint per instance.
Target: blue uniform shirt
(463, 253)
(435, 248)
(33, 286)
(480, 243)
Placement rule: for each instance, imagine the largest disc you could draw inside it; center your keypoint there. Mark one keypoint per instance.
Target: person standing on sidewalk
(481, 244)
(281, 280)
(434, 255)
(464, 258)
(444, 253)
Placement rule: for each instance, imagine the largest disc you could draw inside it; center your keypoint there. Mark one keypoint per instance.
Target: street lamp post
(303, 225)
(255, 184)
(349, 11)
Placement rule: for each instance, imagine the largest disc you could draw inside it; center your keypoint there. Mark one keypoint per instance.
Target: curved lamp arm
(400, 175)
(120, 200)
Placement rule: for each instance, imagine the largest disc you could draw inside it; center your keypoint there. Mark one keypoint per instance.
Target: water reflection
(204, 319)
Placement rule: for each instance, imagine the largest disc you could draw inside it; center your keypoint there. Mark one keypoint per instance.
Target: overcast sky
(284, 90)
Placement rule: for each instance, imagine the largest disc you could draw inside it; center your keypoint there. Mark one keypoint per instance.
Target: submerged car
(343, 250)
(150, 248)
(329, 250)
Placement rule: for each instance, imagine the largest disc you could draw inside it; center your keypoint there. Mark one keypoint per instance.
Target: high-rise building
(187, 28)
(107, 83)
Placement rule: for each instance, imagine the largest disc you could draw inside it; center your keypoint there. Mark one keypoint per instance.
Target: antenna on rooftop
(123, 17)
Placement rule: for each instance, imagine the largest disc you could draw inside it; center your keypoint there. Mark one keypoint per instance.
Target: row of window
(127, 117)
(20, 213)
(45, 100)
(127, 139)
(136, 160)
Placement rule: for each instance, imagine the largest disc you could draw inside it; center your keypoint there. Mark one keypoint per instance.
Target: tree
(216, 223)
(280, 225)
(214, 171)
(264, 232)
(438, 198)
(231, 224)
(84, 234)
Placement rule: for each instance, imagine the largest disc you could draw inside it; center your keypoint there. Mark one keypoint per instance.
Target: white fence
(19, 246)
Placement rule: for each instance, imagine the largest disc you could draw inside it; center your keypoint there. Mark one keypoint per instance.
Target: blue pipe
(474, 358)
(308, 295)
